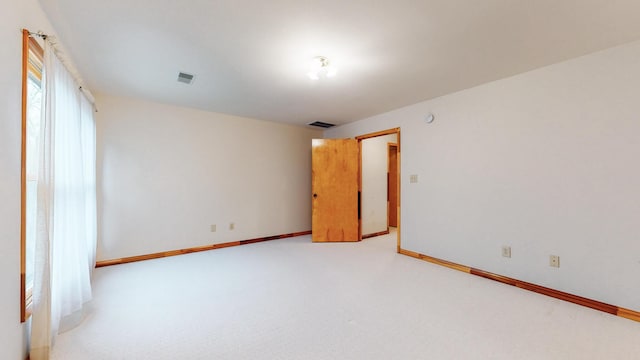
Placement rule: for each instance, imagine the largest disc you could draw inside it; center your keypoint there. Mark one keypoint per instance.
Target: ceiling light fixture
(321, 66)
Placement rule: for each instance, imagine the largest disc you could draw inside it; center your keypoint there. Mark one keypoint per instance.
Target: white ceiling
(250, 58)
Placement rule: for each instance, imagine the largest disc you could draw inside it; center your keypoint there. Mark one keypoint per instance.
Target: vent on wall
(321, 124)
(185, 78)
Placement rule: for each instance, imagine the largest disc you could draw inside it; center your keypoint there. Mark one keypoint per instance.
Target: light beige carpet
(291, 299)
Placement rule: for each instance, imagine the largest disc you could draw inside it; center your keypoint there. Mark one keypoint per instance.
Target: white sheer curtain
(66, 214)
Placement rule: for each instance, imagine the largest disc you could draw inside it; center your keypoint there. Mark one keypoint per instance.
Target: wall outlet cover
(506, 251)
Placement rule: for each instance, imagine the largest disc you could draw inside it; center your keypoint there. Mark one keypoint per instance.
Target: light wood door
(392, 184)
(334, 186)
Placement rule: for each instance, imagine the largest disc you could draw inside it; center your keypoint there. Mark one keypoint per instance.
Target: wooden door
(334, 186)
(392, 184)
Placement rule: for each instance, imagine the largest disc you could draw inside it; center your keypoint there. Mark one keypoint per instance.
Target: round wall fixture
(429, 118)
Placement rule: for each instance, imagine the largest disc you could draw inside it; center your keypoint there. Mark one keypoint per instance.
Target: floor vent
(321, 124)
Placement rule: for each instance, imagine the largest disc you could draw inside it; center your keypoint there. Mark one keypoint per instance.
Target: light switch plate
(413, 178)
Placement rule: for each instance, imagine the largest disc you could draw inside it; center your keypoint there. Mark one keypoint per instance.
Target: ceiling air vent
(321, 124)
(185, 78)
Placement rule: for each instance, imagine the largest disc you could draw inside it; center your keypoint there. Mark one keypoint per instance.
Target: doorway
(337, 188)
(379, 182)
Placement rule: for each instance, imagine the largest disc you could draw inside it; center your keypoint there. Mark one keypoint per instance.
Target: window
(31, 117)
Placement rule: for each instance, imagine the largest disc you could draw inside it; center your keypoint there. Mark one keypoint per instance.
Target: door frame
(390, 146)
(372, 135)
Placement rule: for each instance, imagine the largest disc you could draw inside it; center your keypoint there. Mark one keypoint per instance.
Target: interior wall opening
(379, 181)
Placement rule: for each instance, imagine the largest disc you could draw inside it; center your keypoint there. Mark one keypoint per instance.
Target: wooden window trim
(29, 46)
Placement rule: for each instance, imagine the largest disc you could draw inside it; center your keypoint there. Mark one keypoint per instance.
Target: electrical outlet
(213, 228)
(232, 226)
(554, 261)
(413, 178)
(506, 251)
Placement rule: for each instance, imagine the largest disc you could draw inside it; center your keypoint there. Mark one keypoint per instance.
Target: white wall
(374, 183)
(167, 173)
(15, 16)
(546, 162)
